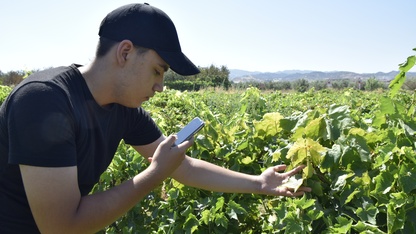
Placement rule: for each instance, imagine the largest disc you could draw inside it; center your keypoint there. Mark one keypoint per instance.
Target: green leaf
(191, 222)
(383, 155)
(316, 129)
(384, 182)
(242, 145)
(363, 228)
(350, 197)
(387, 106)
(304, 203)
(397, 83)
(315, 214)
(407, 177)
(406, 66)
(316, 187)
(187, 211)
(288, 123)
(221, 220)
(343, 225)
(292, 224)
(379, 119)
(205, 217)
(398, 199)
(237, 208)
(395, 218)
(173, 193)
(368, 213)
(339, 120)
(341, 181)
(331, 158)
(219, 204)
(360, 144)
(233, 209)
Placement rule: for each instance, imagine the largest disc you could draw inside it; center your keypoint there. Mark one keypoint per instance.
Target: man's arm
(58, 207)
(201, 174)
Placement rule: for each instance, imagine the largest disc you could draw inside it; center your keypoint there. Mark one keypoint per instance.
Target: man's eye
(157, 73)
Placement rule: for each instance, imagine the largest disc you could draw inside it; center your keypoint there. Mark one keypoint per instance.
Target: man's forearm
(204, 175)
(104, 208)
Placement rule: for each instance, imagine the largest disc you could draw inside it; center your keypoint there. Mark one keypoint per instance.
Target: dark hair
(104, 46)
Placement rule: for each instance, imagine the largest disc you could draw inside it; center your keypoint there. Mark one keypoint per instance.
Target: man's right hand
(167, 158)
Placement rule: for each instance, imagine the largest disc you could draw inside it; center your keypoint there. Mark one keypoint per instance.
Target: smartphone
(189, 130)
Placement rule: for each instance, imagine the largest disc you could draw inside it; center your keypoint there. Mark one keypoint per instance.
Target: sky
(362, 36)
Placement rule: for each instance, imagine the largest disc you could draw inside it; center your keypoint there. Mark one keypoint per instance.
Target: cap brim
(179, 63)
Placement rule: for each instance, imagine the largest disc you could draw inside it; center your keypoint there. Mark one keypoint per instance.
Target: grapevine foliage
(359, 152)
(359, 149)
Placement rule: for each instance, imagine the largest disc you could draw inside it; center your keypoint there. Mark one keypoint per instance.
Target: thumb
(170, 140)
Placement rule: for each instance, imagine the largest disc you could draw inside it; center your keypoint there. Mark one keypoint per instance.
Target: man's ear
(124, 49)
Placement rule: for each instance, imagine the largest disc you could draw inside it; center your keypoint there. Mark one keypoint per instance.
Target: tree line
(209, 77)
(218, 77)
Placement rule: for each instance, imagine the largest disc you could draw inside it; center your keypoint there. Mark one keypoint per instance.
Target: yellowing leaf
(247, 160)
(297, 153)
(316, 151)
(308, 170)
(304, 148)
(270, 124)
(357, 131)
(276, 156)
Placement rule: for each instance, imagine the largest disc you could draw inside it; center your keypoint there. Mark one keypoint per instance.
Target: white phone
(189, 130)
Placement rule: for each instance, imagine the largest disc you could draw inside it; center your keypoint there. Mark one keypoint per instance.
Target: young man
(61, 127)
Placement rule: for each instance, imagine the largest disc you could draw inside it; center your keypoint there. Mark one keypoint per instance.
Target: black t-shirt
(52, 120)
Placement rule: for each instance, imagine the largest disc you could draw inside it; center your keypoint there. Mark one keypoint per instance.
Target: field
(358, 146)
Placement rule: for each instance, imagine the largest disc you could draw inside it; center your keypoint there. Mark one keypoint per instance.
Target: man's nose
(158, 87)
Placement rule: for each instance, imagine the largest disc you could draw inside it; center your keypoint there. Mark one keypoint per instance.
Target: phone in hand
(189, 130)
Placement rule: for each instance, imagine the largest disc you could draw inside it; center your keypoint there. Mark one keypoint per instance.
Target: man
(61, 127)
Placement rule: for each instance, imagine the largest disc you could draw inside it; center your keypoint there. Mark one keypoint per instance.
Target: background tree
(12, 78)
(301, 85)
(319, 84)
(410, 83)
(373, 84)
(211, 76)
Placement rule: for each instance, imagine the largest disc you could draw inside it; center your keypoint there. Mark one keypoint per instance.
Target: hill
(237, 76)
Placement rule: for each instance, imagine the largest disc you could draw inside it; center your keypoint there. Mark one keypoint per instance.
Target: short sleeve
(41, 128)
(143, 130)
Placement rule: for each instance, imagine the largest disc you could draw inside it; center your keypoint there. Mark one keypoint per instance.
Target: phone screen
(189, 130)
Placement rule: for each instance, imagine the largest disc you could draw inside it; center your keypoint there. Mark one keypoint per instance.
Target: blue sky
(356, 35)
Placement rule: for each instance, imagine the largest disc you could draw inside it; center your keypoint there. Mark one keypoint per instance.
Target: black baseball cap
(148, 27)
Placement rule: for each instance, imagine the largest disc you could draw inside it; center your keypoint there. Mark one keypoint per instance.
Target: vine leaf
(294, 182)
(306, 151)
(270, 124)
(400, 78)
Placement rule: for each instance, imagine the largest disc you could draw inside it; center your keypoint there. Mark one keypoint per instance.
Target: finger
(305, 189)
(170, 140)
(279, 168)
(297, 193)
(291, 193)
(295, 170)
(186, 144)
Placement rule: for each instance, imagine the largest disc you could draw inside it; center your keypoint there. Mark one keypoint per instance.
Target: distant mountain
(291, 75)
